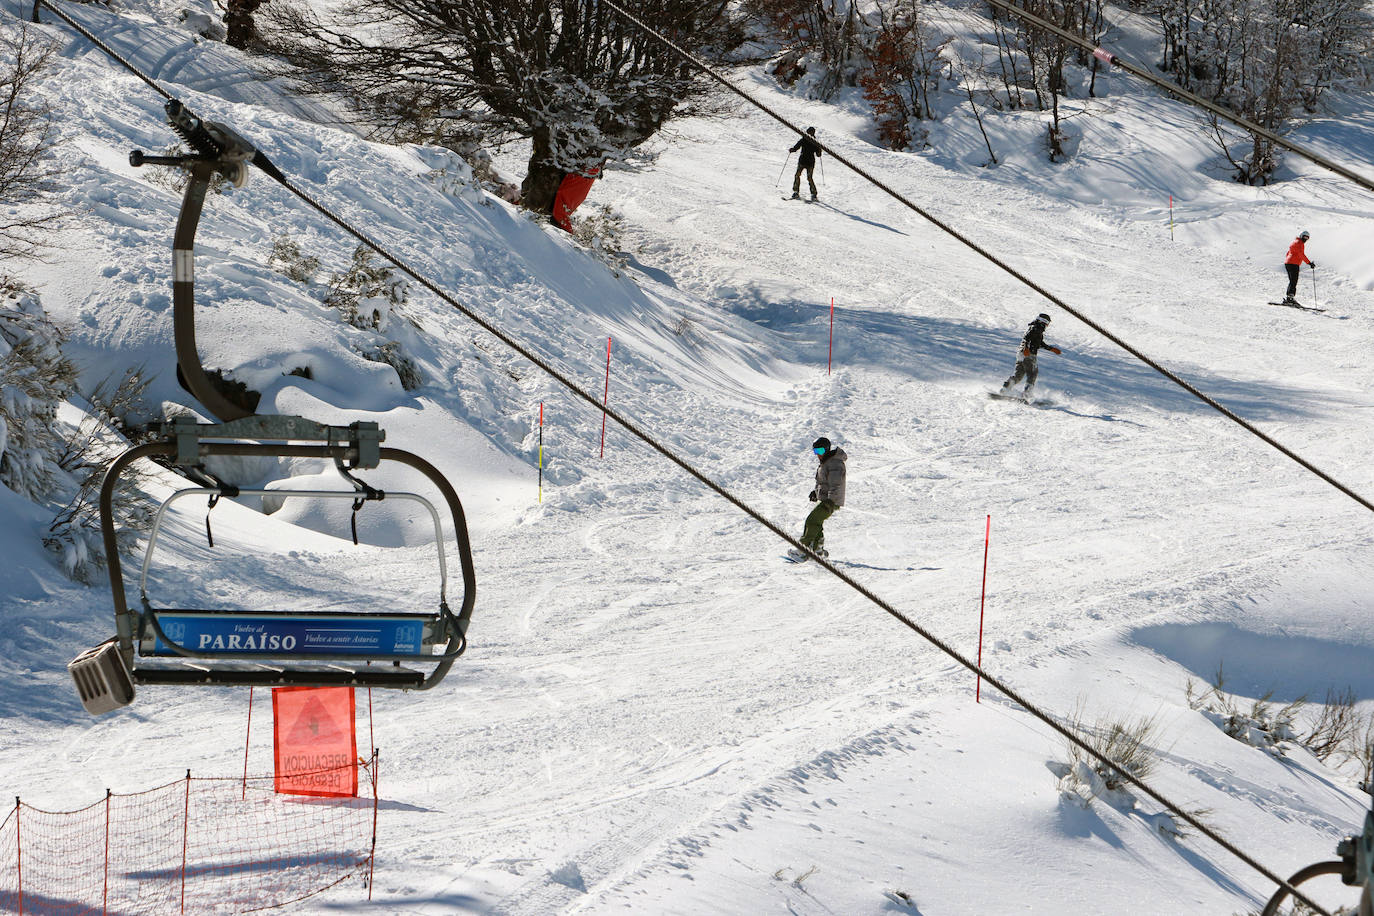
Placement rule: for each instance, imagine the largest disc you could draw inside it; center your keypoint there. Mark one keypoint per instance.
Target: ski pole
(784, 168)
(1314, 285)
(821, 159)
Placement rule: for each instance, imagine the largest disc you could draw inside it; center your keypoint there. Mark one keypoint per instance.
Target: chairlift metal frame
(364, 650)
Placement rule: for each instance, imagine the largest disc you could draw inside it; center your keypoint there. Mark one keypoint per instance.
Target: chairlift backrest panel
(230, 634)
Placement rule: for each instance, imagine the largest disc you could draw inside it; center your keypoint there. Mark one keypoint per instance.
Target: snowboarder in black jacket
(810, 149)
(1031, 344)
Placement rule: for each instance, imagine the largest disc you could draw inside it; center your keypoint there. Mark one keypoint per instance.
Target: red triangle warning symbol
(314, 725)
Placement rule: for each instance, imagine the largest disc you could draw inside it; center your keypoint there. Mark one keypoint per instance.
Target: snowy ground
(656, 713)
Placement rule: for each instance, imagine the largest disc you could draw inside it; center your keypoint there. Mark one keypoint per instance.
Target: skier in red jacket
(1297, 256)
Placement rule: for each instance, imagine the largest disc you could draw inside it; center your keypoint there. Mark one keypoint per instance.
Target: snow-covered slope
(656, 713)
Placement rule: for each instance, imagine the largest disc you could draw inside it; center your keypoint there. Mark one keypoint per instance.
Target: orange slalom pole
(605, 398)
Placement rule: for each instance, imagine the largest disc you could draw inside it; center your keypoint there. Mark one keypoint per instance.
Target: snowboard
(1296, 305)
(1020, 399)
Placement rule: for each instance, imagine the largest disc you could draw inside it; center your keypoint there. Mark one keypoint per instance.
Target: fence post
(372, 857)
(185, 836)
(248, 734)
(105, 898)
(19, 855)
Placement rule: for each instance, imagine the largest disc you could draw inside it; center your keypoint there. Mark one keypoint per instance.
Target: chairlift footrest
(381, 677)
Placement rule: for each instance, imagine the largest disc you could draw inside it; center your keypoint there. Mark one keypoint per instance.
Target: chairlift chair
(184, 646)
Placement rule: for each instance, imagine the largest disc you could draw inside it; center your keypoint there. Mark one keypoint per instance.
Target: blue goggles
(819, 450)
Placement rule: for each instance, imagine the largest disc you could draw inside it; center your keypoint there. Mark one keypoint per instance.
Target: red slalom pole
(830, 355)
(541, 448)
(982, 599)
(605, 398)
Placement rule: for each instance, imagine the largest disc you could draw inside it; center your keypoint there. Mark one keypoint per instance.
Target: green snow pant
(812, 534)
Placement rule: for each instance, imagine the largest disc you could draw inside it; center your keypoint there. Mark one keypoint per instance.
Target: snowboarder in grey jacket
(828, 495)
(1031, 344)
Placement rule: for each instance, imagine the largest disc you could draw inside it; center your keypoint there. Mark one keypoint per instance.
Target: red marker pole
(605, 398)
(541, 451)
(987, 537)
(830, 355)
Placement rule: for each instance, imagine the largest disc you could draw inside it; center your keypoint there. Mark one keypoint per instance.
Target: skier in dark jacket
(1297, 256)
(828, 496)
(810, 149)
(1031, 344)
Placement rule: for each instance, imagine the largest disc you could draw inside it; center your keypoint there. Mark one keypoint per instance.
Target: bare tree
(830, 27)
(239, 24)
(579, 81)
(1270, 61)
(27, 138)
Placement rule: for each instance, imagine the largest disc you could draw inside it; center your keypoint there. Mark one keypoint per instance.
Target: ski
(1295, 305)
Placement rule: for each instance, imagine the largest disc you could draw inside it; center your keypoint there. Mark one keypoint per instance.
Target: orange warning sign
(315, 740)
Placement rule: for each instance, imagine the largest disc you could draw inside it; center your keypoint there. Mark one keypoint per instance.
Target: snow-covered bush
(46, 461)
(1342, 735)
(288, 260)
(74, 534)
(603, 232)
(366, 292)
(1084, 778)
(35, 378)
(1264, 724)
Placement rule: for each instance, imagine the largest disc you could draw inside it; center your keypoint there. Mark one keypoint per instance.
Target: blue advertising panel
(281, 634)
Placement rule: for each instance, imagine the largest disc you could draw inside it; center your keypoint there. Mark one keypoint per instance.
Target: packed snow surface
(656, 713)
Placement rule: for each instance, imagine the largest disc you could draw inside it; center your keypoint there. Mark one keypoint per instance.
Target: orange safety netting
(197, 845)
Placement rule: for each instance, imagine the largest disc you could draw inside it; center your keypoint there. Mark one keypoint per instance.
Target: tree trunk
(238, 23)
(540, 187)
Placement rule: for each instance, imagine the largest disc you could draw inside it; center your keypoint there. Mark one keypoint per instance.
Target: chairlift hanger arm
(218, 151)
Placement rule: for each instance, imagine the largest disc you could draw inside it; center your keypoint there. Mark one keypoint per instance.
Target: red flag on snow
(315, 738)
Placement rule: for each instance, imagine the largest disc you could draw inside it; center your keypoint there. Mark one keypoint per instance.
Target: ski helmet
(821, 446)
(811, 131)
(1304, 235)
(1043, 318)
